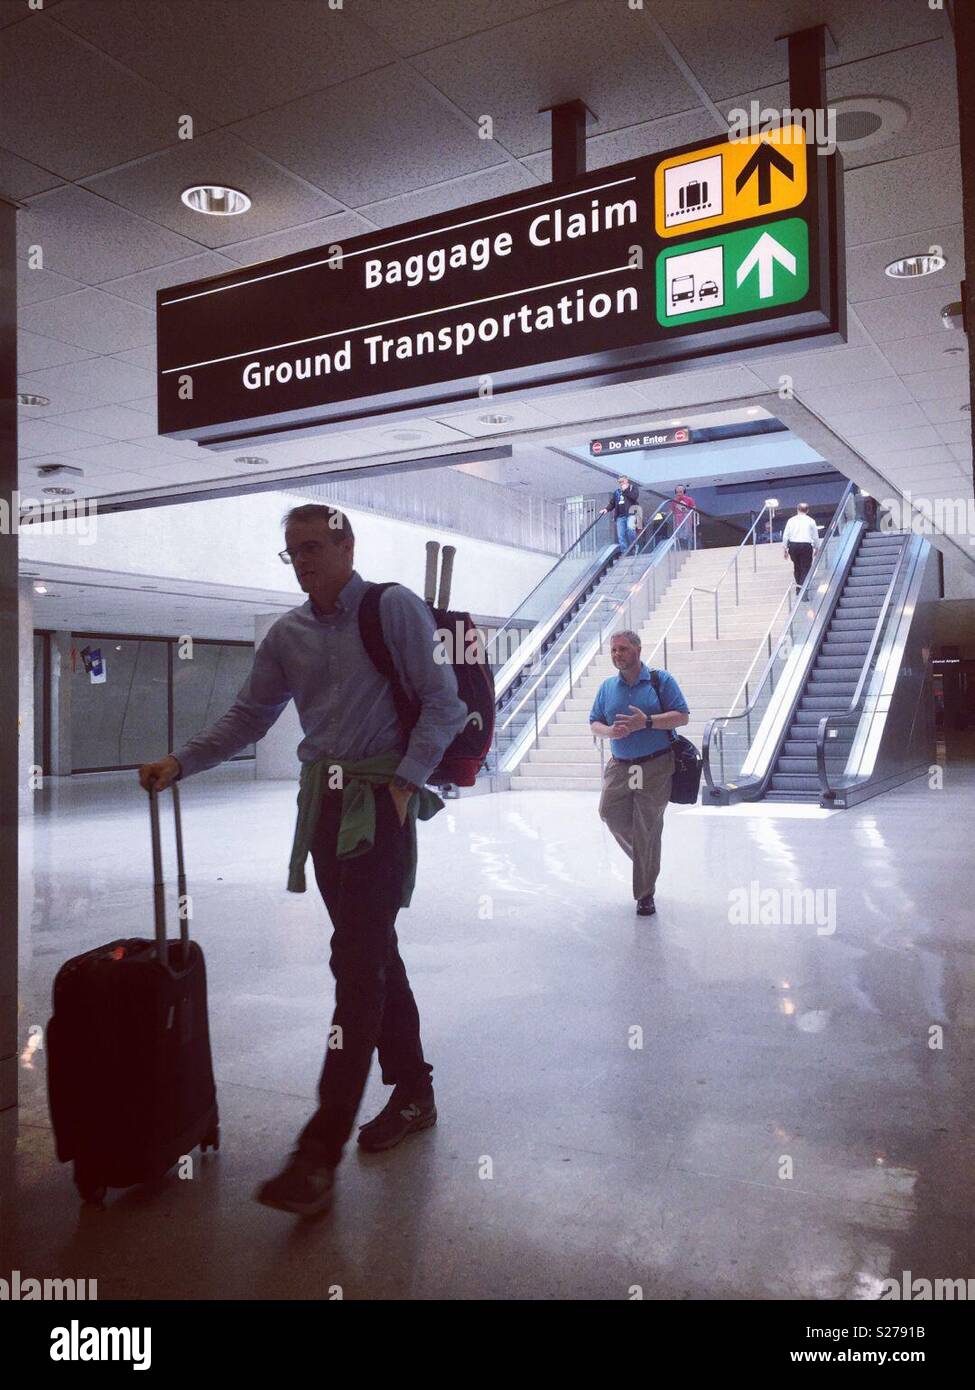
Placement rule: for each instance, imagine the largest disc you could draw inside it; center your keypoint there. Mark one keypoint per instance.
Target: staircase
(836, 670)
(709, 675)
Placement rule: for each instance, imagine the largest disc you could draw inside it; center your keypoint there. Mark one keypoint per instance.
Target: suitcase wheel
(211, 1140)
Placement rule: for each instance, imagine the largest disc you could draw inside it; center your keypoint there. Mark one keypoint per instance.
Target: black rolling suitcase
(130, 1080)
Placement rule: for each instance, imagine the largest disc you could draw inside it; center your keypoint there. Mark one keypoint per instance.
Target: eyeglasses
(309, 548)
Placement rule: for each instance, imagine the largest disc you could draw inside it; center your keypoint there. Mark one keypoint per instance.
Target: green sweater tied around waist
(357, 829)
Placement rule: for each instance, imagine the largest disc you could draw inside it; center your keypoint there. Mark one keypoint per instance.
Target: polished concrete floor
(570, 1161)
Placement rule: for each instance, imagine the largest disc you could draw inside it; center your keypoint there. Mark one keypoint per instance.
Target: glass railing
(728, 740)
(584, 560)
(550, 679)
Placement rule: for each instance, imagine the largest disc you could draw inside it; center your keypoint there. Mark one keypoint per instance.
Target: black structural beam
(808, 50)
(569, 120)
(10, 664)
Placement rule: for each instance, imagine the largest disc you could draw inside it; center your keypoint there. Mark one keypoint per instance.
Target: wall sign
(551, 286)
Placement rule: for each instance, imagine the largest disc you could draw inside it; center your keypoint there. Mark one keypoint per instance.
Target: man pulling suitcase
(362, 790)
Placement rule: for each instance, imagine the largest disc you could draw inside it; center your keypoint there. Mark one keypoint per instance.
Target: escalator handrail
(519, 659)
(595, 600)
(723, 720)
(852, 713)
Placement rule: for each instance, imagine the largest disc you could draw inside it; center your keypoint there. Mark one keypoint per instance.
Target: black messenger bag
(685, 785)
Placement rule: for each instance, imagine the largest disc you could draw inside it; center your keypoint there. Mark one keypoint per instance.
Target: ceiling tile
(109, 421)
(635, 141)
(104, 481)
(411, 26)
(607, 52)
(35, 351)
(856, 422)
(958, 433)
(923, 354)
(52, 437)
(19, 179)
(963, 454)
(33, 286)
(915, 437)
(141, 288)
(362, 142)
(324, 231)
(152, 189)
(92, 240)
(734, 50)
(511, 415)
(690, 388)
(865, 277)
(911, 316)
(894, 198)
(231, 58)
(409, 434)
(834, 367)
(948, 410)
(91, 319)
(70, 109)
(948, 380)
(855, 395)
(911, 460)
(97, 381)
(444, 197)
(596, 404)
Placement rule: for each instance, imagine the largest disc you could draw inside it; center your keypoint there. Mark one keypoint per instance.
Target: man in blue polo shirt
(636, 784)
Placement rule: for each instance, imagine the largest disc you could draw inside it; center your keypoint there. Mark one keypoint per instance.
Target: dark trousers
(800, 553)
(374, 1005)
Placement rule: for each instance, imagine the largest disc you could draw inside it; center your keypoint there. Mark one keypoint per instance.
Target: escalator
(836, 670)
(843, 708)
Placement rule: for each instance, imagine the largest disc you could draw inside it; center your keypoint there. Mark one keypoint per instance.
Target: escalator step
(777, 795)
(837, 665)
(794, 782)
(806, 747)
(826, 703)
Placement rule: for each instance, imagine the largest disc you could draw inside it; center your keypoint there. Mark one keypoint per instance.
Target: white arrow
(764, 254)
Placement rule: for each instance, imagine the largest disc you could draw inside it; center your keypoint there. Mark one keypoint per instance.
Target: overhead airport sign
(647, 439)
(549, 287)
(731, 182)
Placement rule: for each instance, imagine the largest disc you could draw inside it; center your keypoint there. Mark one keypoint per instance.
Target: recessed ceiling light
(966, 406)
(953, 350)
(40, 588)
(28, 398)
(407, 436)
(910, 267)
(58, 491)
(253, 459)
(215, 200)
(496, 419)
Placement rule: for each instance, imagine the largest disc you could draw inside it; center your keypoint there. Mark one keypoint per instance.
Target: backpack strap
(655, 682)
(377, 650)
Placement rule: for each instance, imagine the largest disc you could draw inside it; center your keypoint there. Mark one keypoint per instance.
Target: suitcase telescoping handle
(159, 887)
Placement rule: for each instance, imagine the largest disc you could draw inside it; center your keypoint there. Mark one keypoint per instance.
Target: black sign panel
(646, 439)
(557, 285)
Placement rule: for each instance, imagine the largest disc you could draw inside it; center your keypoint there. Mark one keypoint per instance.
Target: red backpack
(465, 756)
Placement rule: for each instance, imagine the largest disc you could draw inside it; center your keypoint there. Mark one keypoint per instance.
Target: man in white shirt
(801, 540)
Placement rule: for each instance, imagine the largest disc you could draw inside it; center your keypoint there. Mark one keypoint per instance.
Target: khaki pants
(633, 801)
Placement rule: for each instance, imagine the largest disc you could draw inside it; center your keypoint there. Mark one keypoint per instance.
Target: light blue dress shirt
(344, 705)
(614, 697)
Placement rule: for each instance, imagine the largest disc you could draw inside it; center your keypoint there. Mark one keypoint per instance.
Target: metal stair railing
(688, 602)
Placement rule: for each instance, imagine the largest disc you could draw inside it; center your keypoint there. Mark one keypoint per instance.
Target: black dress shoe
(645, 906)
(404, 1113)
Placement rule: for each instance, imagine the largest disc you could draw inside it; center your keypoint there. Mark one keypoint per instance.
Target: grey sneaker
(403, 1114)
(303, 1187)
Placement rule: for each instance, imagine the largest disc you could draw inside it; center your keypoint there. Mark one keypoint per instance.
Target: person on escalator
(627, 495)
(801, 541)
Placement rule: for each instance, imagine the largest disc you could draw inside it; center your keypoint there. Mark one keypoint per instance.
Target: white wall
(235, 541)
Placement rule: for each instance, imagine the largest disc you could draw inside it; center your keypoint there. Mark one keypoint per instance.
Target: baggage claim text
(428, 267)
